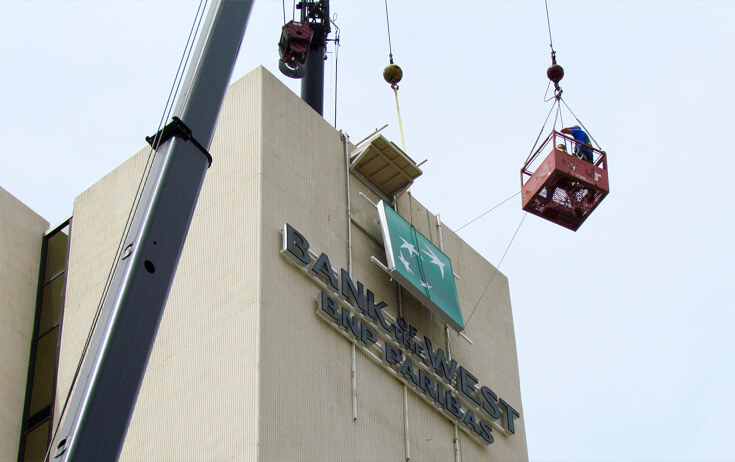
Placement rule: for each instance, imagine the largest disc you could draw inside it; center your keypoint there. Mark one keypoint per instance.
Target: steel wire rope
(559, 114)
(558, 95)
(136, 201)
(548, 23)
(556, 117)
(557, 98)
(546, 100)
(540, 132)
(580, 123)
(336, 64)
(496, 271)
(557, 89)
(454, 232)
(394, 86)
(387, 23)
(561, 118)
(179, 78)
(283, 2)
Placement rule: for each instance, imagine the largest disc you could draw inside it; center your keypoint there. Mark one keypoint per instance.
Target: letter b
(296, 244)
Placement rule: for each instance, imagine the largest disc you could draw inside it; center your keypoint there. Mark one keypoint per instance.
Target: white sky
(624, 328)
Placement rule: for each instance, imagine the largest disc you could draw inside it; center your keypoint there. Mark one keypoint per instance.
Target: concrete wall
(305, 374)
(198, 398)
(243, 368)
(21, 236)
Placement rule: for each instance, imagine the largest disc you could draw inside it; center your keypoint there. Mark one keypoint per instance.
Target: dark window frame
(46, 414)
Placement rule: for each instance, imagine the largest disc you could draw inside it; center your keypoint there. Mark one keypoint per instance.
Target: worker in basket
(581, 148)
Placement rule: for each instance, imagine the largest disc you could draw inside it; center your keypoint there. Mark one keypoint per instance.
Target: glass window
(51, 304)
(56, 253)
(44, 372)
(37, 443)
(39, 401)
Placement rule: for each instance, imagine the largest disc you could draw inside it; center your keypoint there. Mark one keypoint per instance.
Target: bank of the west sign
(394, 344)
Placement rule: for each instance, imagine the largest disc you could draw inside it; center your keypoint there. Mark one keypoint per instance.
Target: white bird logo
(411, 249)
(435, 260)
(405, 262)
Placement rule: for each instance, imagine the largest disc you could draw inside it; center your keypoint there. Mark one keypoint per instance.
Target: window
(42, 368)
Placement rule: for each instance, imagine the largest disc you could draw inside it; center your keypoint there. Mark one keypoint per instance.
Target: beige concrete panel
(202, 370)
(298, 183)
(431, 435)
(235, 145)
(202, 374)
(305, 368)
(21, 236)
(493, 357)
(100, 213)
(198, 403)
(492, 320)
(306, 390)
(378, 432)
(217, 274)
(249, 454)
(300, 379)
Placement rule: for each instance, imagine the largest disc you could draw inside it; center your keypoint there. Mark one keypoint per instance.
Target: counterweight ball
(555, 73)
(392, 74)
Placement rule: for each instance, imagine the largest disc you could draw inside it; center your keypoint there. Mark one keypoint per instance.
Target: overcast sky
(624, 328)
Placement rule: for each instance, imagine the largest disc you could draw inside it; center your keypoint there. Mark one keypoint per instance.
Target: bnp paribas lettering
(416, 359)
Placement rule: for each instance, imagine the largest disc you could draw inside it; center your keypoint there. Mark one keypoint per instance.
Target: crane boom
(113, 370)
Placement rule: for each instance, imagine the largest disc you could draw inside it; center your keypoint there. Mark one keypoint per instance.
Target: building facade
(274, 349)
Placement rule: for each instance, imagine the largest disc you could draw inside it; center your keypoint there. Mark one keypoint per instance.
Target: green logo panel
(420, 267)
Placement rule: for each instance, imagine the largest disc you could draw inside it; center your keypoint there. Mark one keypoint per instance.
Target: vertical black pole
(316, 14)
(312, 85)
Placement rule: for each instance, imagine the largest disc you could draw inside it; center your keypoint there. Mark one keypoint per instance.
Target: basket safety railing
(561, 142)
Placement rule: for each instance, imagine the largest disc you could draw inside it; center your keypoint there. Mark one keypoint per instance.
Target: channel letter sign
(420, 267)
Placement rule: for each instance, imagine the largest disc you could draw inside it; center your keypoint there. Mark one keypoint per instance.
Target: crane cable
(497, 270)
(580, 123)
(558, 92)
(557, 88)
(454, 232)
(555, 73)
(392, 75)
(548, 24)
(168, 108)
(557, 99)
(336, 64)
(394, 85)
(541, 132)
(387, 22)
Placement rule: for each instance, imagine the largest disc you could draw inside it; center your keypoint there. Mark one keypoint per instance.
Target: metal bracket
(178, 129)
